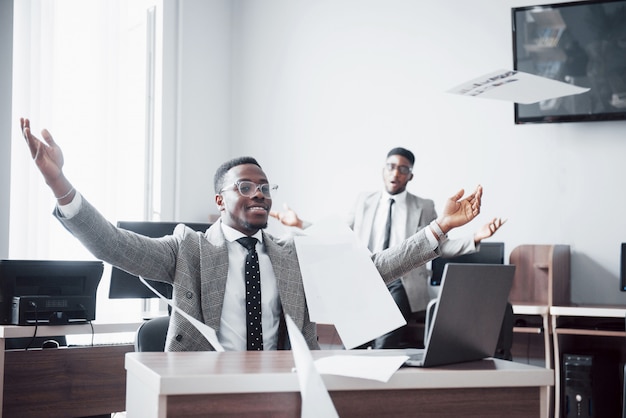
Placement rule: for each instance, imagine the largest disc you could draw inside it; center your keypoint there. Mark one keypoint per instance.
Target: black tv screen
(125, 285)
(581, 43)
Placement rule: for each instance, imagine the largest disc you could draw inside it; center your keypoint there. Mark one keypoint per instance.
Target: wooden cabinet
(542, 275)
(542, 280)
(65, 382)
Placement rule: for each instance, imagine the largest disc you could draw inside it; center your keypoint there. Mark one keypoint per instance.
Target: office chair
(151, 334)
(505, 339)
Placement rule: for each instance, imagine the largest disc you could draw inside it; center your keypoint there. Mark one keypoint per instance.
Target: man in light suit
(206, 269)
(409, 214)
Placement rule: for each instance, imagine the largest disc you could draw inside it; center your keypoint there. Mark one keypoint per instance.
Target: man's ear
(219, 201)
(410, 178)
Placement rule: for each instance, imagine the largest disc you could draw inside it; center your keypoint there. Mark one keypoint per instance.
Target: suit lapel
(288, 279)
(369, 211)
(213, 275)
(414, 214)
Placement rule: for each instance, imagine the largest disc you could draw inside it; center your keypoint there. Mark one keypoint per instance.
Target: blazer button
(189, 295)
(179, 337)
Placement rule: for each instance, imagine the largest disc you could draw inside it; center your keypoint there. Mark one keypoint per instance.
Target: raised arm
(49, 160)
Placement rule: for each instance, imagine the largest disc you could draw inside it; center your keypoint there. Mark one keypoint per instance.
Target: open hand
(488, 229)
(458, 212)
(288, 217)
(48, 158)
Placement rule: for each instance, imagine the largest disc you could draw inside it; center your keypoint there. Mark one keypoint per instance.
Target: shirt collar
(398, 198)
(232, 234)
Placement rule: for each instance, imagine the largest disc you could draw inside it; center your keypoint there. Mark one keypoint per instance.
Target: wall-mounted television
(128, 286)
(582, 43)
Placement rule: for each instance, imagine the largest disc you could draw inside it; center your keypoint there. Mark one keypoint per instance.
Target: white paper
(516, 86)
(208, 332)
(379, 368)
(343, 286)
(316, 401)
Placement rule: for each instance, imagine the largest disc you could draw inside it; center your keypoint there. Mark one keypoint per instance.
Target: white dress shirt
(232, 332)
(398, 221)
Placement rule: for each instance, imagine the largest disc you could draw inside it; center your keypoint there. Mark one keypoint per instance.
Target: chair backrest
(151, 334)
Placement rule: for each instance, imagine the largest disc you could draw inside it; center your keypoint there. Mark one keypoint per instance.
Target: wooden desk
(250, 384)
(597, 331)
(63, 382)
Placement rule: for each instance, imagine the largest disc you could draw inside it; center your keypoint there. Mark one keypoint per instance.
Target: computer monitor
(50, 286)
(125, 285)
(488, 253)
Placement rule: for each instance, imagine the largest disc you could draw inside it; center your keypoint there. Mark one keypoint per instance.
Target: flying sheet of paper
(316, 401)
(379, 368)
(205, 330)
(516, 86)
(343, 287)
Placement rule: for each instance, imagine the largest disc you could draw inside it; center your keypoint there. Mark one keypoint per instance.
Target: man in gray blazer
(206, 269)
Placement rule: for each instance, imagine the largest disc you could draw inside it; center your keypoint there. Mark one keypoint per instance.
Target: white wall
(196, 105)
(323, 89)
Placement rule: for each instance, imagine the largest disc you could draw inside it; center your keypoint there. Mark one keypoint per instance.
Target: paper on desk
(316, 401)
(365, 367)
(205, 330)
(343, 286)
(516, 86)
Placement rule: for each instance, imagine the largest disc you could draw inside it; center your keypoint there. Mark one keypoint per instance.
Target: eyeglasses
(403, 169)
(249, 188)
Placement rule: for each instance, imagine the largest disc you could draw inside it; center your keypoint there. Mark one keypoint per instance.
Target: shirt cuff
(72, 208)
(434, 226)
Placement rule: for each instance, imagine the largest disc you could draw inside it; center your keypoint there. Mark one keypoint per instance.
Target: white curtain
(80, 72)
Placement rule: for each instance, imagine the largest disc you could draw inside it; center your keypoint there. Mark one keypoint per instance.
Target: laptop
(468, 316)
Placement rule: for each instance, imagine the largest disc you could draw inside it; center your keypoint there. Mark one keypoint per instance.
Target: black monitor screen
(47, 278)
(489, 253)
(581, 43)
(125, 285)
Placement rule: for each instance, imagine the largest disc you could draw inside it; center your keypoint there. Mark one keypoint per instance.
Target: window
(80, 70)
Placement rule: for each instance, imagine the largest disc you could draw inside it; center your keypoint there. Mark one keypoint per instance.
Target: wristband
(65, 195)
(434, 226)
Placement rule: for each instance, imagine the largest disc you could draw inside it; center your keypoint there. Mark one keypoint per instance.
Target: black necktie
(388, 226)
(253, 295)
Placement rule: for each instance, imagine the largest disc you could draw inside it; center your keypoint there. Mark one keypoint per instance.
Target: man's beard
(250, 226)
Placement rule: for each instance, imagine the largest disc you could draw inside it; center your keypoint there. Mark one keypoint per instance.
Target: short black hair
(220, 173)
(403, 152)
